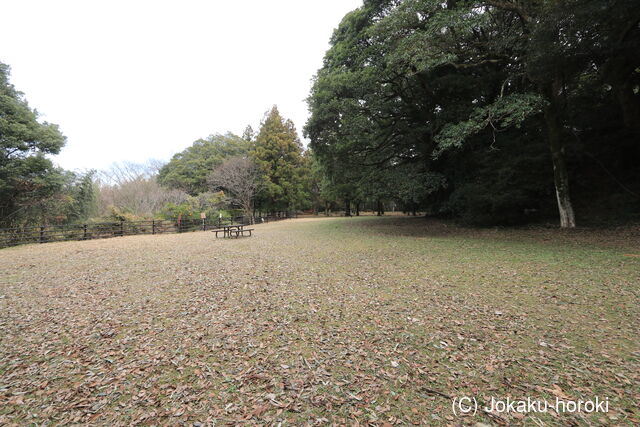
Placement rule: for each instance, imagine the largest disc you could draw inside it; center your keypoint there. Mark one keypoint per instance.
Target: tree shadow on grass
(624, 237)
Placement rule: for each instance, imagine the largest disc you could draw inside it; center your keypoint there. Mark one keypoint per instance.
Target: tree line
(491, 112)
(265, 172)
(488, 112)
(32, 190)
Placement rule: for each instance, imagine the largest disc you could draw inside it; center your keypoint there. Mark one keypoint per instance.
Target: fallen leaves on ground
(318, 321)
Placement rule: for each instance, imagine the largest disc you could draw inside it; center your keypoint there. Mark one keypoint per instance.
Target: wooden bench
(233, 231)
(240, 232)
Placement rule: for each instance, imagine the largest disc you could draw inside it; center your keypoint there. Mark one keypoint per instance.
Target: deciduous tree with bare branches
(133, 188)
(239, 178)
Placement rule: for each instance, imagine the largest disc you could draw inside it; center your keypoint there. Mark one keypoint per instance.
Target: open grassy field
(321, 321)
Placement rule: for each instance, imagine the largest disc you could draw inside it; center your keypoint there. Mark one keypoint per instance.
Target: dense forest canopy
(487, 111)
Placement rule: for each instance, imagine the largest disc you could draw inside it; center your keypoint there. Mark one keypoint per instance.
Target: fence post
(153, 226)
(84, 232)
(42, 234)
(121, 228)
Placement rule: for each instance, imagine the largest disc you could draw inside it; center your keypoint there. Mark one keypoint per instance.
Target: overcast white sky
(133, 80)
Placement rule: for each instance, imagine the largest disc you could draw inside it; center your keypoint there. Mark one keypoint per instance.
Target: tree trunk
(358, 209)
(621, 71)
(380, 208)
(347, 207)
(252, 208)
(629, 103)
(561, 176)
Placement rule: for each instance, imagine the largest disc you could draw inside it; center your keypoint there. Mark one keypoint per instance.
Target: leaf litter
(343, 321)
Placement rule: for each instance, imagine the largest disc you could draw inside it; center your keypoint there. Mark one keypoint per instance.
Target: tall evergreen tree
(278, 152)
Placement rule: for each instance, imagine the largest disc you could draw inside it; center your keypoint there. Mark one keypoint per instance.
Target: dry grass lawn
(320, 321)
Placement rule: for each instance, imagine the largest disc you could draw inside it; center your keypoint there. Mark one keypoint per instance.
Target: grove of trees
(272, 160)
(189, 169)
(32, 190)
(221, 174)
(132, 191)
(492, 112)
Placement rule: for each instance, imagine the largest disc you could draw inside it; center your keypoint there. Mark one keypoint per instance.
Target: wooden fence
(89, 231)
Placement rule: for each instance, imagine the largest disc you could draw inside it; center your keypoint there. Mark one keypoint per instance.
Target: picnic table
(229, 231)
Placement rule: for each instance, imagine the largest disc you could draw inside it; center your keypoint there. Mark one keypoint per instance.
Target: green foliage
(189, 169)
(82, 192)
(315, 183)
(209, 203)
(505, 112)
(26, 175)
(69, 198)
(420, 100)
(411, 186)
(278, 152)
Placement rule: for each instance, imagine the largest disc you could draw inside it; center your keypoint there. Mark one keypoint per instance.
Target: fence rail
(60, 233)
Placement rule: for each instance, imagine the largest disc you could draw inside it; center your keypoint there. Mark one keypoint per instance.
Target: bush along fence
(89, 231)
